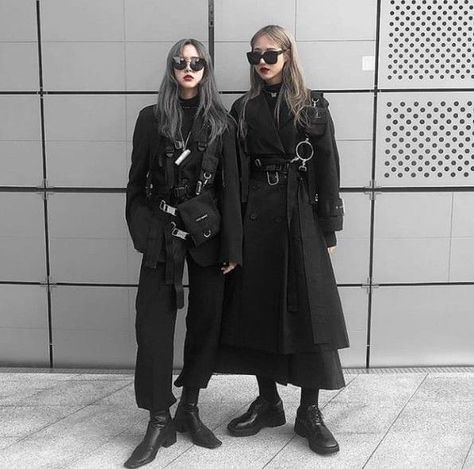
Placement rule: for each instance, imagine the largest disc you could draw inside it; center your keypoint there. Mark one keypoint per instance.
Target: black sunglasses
(195, 63)
(270, 57)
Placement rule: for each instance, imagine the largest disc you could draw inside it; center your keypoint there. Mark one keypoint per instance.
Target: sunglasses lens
(197, 64)
(253, 58)
(270, 57)
(179, 63)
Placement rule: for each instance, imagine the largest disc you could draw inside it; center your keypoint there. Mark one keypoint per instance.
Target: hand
(332, 249)
(229, 267)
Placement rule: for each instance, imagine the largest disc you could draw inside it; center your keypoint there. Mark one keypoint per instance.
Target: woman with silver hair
(183, 203)
(283, 320)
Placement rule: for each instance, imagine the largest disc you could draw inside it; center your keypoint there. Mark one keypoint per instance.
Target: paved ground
(393, 419)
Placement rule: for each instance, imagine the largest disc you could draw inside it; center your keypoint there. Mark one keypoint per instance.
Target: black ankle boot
(187, 419)
(309, 424)
(160, 432)
(261, 414)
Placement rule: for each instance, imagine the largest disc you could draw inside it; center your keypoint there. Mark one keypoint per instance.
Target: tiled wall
(73, 76)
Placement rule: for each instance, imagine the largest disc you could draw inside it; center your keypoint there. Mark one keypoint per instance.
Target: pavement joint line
(394, 420)
(57, 421)
(471, 448)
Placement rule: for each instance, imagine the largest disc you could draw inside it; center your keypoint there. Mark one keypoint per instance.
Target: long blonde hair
(293, 89)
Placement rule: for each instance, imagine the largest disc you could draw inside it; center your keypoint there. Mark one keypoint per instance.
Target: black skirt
(318, 369)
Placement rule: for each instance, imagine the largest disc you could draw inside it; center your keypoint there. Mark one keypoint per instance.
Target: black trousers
(155, 326)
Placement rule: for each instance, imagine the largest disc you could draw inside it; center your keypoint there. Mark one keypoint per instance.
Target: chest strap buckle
(177, 232)
(167, 208)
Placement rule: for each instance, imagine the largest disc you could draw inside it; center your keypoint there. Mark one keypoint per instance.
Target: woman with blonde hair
(283, 320)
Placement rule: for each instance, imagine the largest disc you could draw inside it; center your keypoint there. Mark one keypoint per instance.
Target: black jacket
(145, 221)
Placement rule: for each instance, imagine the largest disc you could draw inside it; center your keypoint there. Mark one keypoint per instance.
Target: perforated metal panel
(425, 139)
(426, 43)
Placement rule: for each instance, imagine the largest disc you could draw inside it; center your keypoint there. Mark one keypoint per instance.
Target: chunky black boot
(187, 419)
(160, 432)
(309, 424)
(261, 414)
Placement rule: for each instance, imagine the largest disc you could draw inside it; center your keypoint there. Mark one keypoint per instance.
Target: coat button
(253, 216)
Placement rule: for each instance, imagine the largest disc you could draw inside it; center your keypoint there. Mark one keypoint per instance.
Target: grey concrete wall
(400, 81)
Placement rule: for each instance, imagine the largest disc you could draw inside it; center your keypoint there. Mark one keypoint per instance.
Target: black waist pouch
(201, 218)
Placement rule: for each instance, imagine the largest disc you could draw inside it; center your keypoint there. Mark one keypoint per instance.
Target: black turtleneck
(271, 95)
(189, 107)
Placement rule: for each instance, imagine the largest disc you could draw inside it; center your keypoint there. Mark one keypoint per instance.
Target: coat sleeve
(137, 212)
(330, 209)
(243, 162)
(231, 230)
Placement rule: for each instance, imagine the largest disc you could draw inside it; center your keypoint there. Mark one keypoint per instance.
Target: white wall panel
(336, 64)
(355, 162)
(24, 347)
(24, 332)
(17, 20)
(85, 260)
(93, 348)
(352, 114)
(413, 215)
(412, 237)
(149, 20)
(134, 105)
(84, 66)
(231, 68)
(351, 259)
(85, 118)
(239, 21)
(94, 216)
(91, 308)
(22, 248)
(88, 238)
(21, 163)
(461, 268)
(422, 326)
(336, 20)
(425, 139)
(19, 118)
(19, 66)
(87, 164)
(462, 242)
(23, 306)
(355, 306)
(426, 44)
(145, 64)
(82, 20)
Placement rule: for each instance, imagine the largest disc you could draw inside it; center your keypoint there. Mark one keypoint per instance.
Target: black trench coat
(284, 299)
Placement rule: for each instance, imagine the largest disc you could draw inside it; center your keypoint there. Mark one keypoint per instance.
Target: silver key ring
(298, 146)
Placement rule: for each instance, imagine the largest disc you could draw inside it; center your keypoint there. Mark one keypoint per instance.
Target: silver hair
(168, 110)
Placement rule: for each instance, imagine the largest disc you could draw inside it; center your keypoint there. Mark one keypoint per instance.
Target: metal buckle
(277, 178)
(200, 184)
(207, 233)
(167, 208)
(177, 232)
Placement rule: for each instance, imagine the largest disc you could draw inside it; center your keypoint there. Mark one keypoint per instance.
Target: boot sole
(270, 422)
(165, 444)
(301, 431)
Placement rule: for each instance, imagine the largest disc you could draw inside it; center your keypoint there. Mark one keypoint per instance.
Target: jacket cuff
(330, 237)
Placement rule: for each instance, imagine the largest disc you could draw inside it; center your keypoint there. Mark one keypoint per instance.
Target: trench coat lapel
(260, 117)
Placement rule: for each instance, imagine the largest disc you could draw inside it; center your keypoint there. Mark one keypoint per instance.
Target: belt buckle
(277, 178)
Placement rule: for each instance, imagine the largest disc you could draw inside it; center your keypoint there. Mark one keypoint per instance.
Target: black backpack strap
(209, 165)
